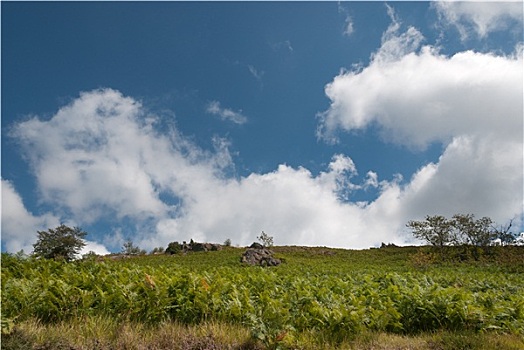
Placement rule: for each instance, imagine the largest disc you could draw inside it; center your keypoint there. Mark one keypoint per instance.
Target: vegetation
(62, 242)
(158, 250)
(130, 249)
(173, 248)
(461, 229)
(319, 298)
(265, 239)
(464, 291)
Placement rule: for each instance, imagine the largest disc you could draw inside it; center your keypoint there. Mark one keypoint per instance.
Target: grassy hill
(319, 298)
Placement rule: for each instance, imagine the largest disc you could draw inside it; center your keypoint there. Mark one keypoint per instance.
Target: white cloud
(291, 204)
(348, 21)
(95, 247)
(114, 164)
(19, 227)
(283, 45)
(427, 97)
(470, 102)
(257, 74)
(371, 180)
(481, 18)
(95, 157)
(419, 98)
(103, 134)
(349, 29)
(394, 44)
(226, 113)
(481, 175)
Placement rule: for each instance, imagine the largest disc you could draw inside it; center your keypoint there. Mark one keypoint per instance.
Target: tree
(505, 235)
(63, 242)
(435, 230)
(473, 232)
(130, 249)
(265, 239)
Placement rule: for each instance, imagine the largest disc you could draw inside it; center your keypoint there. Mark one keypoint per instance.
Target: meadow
(319, 298)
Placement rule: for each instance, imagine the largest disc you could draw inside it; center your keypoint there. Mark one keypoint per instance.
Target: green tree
(435, 230)
(62, 242)
(265, 239)
(130, 249)
(473, 232)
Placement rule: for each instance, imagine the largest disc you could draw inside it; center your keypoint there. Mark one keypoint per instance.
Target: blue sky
(321, 123)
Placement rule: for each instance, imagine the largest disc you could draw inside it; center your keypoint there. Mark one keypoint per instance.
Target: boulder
(256, 245)
(198, 247)
(214, 247)
(259, 257)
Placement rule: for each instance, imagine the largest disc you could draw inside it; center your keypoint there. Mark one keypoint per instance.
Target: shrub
(157, 250)
(173, 248)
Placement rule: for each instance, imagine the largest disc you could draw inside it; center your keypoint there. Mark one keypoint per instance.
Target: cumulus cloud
(480, 18)
(19, 227)
(426, 97)
(104, 157)
(469, 102)
(481, 175)
(94, 247)
(418, 96)
(289, 203)
(395, 44)
(95, 157)
(101, 158)
(114, 165)
(226, 113)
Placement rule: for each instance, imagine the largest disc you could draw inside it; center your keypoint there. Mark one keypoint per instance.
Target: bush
(157, 250)
(173, 248)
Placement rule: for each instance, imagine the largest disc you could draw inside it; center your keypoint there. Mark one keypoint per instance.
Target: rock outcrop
(256, 245)
(257, 255)
(175, 247)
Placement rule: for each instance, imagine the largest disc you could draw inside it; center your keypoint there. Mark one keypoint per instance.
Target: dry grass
(98, 333)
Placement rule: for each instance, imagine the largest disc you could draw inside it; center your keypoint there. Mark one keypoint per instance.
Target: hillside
(318, 298)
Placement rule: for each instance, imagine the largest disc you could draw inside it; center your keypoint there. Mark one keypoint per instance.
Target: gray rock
(256, 245)
(259, 257)
(199, 247)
